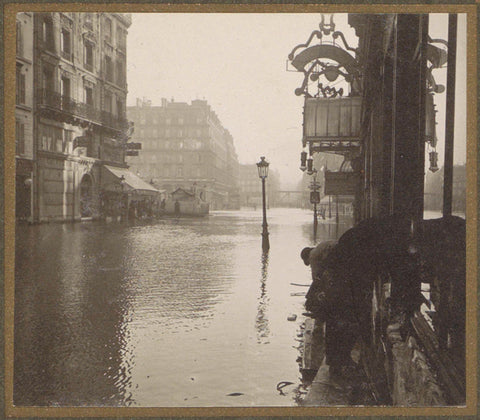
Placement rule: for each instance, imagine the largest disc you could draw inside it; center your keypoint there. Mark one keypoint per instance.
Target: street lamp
(314, 196)
(262, 167)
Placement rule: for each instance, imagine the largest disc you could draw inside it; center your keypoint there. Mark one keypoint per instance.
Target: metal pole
(265, 241)
(315, 221)
(450, 115)
(329, 206)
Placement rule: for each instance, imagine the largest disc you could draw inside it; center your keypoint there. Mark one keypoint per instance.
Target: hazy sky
(237, 62)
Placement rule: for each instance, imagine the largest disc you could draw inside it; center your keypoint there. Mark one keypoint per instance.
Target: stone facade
(185, 146)
(80, 103)
(24, 150)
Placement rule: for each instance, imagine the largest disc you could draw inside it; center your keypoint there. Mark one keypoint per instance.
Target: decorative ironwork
(72, 109)
(308, 61)
(329, 92)
(326, 28)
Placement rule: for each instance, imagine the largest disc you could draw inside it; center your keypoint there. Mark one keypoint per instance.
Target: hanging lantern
(262, 167)
(433, 161)
(303, 161)
(310, 166)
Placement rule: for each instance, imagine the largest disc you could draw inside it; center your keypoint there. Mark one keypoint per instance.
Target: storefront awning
(131, 182)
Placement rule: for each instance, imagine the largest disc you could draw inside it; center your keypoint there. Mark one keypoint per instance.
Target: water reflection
(65, 323)
(166, 314)
(261, 321)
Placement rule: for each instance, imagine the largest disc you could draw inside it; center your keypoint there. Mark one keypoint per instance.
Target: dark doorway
(86, 197)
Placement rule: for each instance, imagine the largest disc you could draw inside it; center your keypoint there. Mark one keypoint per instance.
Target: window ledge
(23, 59)
(24, 107)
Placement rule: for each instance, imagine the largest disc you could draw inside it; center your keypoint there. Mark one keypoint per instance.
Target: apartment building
(24, 149)
(185, 145)
(80, 114)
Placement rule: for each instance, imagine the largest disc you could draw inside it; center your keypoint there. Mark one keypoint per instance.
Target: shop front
(125, 195)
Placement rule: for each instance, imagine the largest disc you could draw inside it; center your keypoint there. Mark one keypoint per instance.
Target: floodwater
(167, 313)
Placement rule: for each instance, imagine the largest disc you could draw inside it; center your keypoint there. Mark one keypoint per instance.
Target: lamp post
(262, 167)
(314, 194)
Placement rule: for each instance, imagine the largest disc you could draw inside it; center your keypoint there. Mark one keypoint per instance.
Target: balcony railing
(56, 101)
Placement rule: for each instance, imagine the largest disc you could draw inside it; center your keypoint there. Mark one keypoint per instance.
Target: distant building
(250, 186)
(184, 146)
(24, 145)
(434, 190)
(80, 121)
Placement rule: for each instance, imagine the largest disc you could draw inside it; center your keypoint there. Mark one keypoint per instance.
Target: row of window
(169, 158)
(177, 172)
(48, 84)
(55, 139)
(155, 119)
(189, 144)
(88, 22)
(171, 132)
(114, 72)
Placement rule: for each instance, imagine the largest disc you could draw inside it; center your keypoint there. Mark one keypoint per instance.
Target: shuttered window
(19, 137)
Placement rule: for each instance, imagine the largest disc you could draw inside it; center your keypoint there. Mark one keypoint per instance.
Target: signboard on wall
(340, 183)
(332, 117)
(332, 124)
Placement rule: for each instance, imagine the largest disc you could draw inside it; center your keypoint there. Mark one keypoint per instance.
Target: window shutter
(19, 39)
(20, 137)
(22, 89)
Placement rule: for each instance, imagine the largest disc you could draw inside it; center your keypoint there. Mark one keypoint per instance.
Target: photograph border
(9, 11)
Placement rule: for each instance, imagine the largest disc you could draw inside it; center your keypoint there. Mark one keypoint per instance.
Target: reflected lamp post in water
(262, 167)
(261, 321)
(123, 182)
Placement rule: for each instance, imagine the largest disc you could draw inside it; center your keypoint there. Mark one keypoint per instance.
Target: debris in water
(292, 317)
(282, 385)
(234, 394)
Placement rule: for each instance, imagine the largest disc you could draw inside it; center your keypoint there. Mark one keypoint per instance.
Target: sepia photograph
(240, 209)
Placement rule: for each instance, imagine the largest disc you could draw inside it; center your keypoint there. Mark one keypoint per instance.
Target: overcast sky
(237, 62)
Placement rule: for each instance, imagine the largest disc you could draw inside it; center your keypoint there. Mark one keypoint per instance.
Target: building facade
(185, 146)
(250, 186)
(80, 120)
(24, 149)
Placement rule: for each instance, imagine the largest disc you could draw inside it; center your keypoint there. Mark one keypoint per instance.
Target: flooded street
(174, 312)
